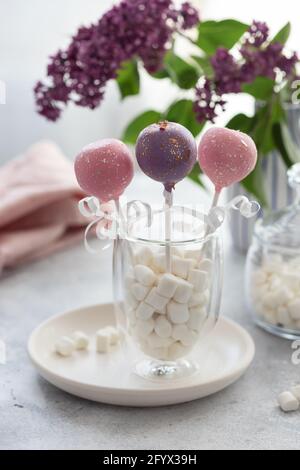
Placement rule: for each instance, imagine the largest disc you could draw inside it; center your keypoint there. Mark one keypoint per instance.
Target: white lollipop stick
(168, 195)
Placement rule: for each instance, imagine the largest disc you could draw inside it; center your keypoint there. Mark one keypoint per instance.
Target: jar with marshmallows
(273, 268)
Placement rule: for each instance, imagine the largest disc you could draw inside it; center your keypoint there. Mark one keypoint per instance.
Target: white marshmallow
(181, 267)
(197, 318)
(156, 301)
(198, 279)
(167, 285)
(81, 340)
(288, 402)
(163, 327)
(206, 265)
(277, 298)
(129, 280)
(144, 256)
(103, 341)
(114, 335)
(199, 299)
(294, 309)
(144, 311)
(159, 263)
(185, 335)
(144, 275)
(259, 277)
(177, 350)
(131, 316)
(144, 328)
(183, 292)
(156, 341)
(177, 313)
(292, 281)
(157, 353)
(296, 392)
(65, 346)
(139, 291)
(130, 301)
(175, 251)
(193, 254)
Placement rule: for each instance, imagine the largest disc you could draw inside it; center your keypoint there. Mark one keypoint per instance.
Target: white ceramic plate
(109, 378)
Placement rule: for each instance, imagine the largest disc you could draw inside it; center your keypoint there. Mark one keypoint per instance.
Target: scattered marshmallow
(114, 335)
(81, 340)
(144, 275)
(288, 402)
(296, 392)
(103, 339)
(65, 346)
(177, 313)
(198, 279)
(181, 267)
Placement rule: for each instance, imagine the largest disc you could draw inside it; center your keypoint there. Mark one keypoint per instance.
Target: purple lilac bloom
(258, 34)
(134, 28)
(227, 72)
(208, 102)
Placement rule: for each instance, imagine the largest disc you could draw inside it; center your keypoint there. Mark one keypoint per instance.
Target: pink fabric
(38, 205)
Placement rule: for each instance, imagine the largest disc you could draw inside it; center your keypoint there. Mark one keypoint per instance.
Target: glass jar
(273, 268)
(170, 309)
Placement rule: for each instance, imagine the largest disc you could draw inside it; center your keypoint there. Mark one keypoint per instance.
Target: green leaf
(261, 88)
(160, 74)
(283, 35)
(182, 112)
(195, 175)
(285, 145)
(128, 79)
(133, 130)
(241, 122)
(215, 34)
(181, 72)
(204, 65)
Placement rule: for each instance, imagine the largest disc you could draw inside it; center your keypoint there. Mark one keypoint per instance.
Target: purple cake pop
(166, 152)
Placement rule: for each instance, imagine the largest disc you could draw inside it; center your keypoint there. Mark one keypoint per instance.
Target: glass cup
(171, 291)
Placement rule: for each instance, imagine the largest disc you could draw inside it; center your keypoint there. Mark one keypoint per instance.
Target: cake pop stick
(104, 169)
(166, 152)
(226, 157)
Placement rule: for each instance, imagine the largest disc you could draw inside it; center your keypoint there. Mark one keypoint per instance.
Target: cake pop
(104, 169)
(166, 152)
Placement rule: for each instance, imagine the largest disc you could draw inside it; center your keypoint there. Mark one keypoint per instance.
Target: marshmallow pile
(166, 311)
(275, 291)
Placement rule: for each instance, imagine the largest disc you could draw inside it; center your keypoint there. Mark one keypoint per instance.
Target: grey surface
(35, 415)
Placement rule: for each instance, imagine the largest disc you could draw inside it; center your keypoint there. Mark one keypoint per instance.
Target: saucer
(109, 378)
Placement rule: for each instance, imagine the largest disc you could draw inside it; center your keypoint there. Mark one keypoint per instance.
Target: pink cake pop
(104, 169)
(226, 156)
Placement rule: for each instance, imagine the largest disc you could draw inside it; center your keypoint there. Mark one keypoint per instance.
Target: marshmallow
(206, 265)
(144, 275)
(199, 299)
(181, 267)
(198, 279)
(129, 281)
(167, 285)
(155, 341)
(144, 311)
(65, 346)
(144, 328)
(193, 254)
(114, 335)
(185, 335)
(177, 313)
(159, 263)
(177, 350)
(131, 316)
(260, 278)
(278, 297)
(197, 318)
(292, 281)
(144, 256)
(155, 300)
(139, 291)
(296, 392)
(81, 340)
(294, 309)
(102, 341)
(163, 327)
(183, 292)
(130, 301)
(288, 402)
(157, 353)
(175, 251)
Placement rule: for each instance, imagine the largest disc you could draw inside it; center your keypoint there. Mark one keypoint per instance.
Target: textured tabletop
(36, 415)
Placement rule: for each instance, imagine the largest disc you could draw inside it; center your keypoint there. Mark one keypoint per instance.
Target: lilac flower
(133, 29)
(208, 103)
(258, 34)
(227, 72)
